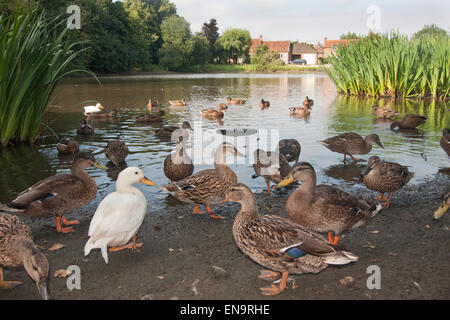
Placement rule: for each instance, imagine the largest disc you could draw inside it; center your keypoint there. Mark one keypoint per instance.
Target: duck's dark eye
(136, 172)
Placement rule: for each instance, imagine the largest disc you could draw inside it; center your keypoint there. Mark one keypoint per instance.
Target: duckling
(153, 104)
(85, 129)
(300, 111)
(324, 208)
(410, 121)
(290, 148)
(308, 102)
(443, 207)
(167, 131)
(235, 101)
(116, 151)
(383, 112)
(207, 186)
(385, 176)
(350, 143)
(92, 109)
(264, 104)
(58, 194)
(279, 244)
(270, 167)
(119, 216)
(151, 117)
(177, 103)
(18, 249)
(67, 145)
(211, 113)
(178, 165)
(445, 141)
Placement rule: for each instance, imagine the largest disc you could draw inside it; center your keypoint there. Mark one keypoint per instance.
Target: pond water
(331, 114)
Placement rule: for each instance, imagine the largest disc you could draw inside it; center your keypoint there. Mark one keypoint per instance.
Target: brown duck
(85, 128)
(151, 117)
(153, 104)
(445, 141)
(178, 165)
(383, 112)
(308, 102)
(410, 121)
(290, 149)
(18, 249)
(116, 151)
(215, 114)
(235, 101)
(67, 145)
(274, 170)
(167, 131)
(445, 203)
(264, 104)
(177, 103)
(103, 114)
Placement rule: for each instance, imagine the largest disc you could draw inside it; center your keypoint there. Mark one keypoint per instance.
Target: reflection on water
(330, 115)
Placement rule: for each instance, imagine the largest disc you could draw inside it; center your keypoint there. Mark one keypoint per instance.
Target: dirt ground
(180, 250)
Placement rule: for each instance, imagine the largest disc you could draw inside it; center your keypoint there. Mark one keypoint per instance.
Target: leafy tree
(430, 31)
(210, 32)
(236, 42)
(199, 50)
(265, 59)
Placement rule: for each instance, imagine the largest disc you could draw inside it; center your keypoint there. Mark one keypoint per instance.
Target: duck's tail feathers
(7, 209)
(102, 246)
(88, 247)
(374, 211)
(340, 258)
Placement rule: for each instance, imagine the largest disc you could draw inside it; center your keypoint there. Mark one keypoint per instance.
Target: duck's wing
(330, 195)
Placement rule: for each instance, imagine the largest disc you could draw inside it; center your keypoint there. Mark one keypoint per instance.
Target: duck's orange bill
(147, 181)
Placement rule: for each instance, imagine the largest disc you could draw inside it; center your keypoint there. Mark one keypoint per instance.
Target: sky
(312, 20)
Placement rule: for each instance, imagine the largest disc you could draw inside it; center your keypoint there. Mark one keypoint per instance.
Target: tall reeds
(392, 65)
(34, 56)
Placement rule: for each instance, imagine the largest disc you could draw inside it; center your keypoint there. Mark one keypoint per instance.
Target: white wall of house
(311, 58)
(284, 57)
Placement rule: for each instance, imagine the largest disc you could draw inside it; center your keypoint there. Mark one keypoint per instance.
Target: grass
(254, 68)
(34, 57)
(392, 65)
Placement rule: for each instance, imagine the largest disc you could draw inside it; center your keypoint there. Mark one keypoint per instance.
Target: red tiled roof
(298, 48)
(331, 43)
(277, 46)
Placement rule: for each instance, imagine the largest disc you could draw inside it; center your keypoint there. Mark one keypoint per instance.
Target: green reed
(392, 65)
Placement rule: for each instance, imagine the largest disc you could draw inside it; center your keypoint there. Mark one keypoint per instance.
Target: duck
(116, 151)
(308, 102)
(272, 166)
(92, 109)
(300, 111)
(119, 215)
(18, 249)
(279, 244)
(151, 117)
(153, 104)
(445, 141)
(383, 112)
(350, 143)
(178, 103)
(211, 113)
(102, 114)
(290, 149)
(324, 208)
(58, 194)
(207, 186)
(178, 165)
(235, 101)
(410, 121)
(67, 145)
(385, 176)
(264, 104)
(85, 129)
(445, 203)
(167, 131)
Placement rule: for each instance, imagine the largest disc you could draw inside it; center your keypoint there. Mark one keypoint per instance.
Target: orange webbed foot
(9, 284)
(212, 215)
(269, 275)
(197, 210)
(331, 239)
(270, 291)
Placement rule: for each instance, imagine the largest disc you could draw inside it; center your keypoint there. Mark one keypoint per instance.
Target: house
(282, 48)
(304, 51)
(330, 46)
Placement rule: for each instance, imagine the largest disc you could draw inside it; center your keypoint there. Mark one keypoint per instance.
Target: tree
(265, 59)
(236, 42)
(199, 50)
(430, 31)
(210, 32)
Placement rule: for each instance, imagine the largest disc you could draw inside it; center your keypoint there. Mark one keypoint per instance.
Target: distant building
(330, 46)
(282, 48)
(304, 51)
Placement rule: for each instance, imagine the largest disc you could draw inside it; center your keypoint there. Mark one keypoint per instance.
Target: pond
(331, 114)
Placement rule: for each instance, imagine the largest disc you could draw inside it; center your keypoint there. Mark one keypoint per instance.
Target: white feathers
(340, 258)
(92, 109)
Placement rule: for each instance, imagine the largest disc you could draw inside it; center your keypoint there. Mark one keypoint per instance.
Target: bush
(265, 59)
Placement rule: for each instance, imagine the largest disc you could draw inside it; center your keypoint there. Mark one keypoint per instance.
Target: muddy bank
(180, 250)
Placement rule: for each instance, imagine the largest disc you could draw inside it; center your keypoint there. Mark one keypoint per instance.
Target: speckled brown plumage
(178, 165)
(85, 128)
(215, 114)
(116, 151)
(350, 143)
(410, 121)
(151, 117)
(102, 114)
(264, 104)
(274, 172)
(445, 141)
(383, 112)
(12, 230)
(67, 145)
(235, 101)
(290, 148)
(167, 131)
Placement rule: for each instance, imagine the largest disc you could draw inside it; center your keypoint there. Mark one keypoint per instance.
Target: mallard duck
(116, 151)
(58, 194)
(279, 244)
(385, 176)
(300, 111)
(177, 103)
(272, 166)
(119, 215)
(153, 104)
(445, 141)
(443, 207)
(67, 145)
(211, 113)
(18, 249)
(324, 208)
(383, 112)
(308, 102)
(167, 131)
(92, 109)
(151, 117)
(178, 165)
(103, 114)
(235, 101)
(207, 186)
(350, 143)
(290, 148)
(85, 129)
(264, 104)
(410, 121)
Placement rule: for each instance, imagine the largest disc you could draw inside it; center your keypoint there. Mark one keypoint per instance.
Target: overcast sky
(312, 20)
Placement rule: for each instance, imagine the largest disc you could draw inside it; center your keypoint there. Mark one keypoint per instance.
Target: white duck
(119, 215)
(92, 109)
